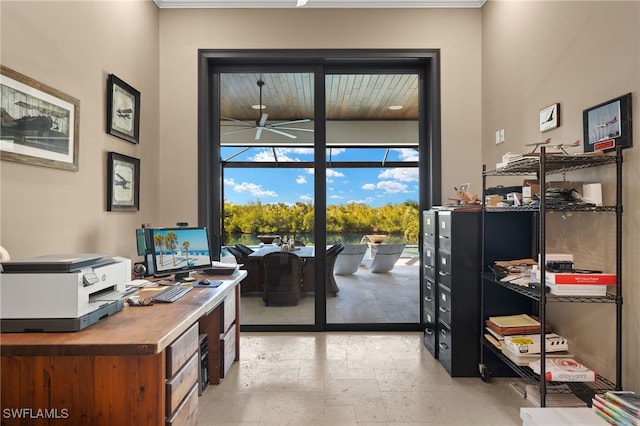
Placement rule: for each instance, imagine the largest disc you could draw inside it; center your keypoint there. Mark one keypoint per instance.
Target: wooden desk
(133, 368)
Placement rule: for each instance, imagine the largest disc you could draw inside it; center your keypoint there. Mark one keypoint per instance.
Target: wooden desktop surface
(135, 330)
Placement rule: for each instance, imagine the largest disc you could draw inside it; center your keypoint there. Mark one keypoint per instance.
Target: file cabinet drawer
(429, 339)
(179, 352)
(429, 261)
(181, 383)
(444, 224)
(444, 268)
(429, 293)
(187, 412)
(444, 305)
(429, 222)
(444, 346)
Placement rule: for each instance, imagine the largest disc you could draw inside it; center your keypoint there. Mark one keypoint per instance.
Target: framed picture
(123, 183)
(549, 117)
(39, 123)
(608, 125)
(123, 110)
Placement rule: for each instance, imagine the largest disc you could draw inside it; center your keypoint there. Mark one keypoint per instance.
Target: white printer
(61, 292)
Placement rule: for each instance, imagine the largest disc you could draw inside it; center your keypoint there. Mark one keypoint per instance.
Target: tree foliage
(353, 218)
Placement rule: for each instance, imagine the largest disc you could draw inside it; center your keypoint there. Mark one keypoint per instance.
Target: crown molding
(327, 4)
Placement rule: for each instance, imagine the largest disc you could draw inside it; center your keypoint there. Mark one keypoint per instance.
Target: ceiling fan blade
(248, 123)
(258, 132)
(236, 131)
(291, 128)
(278, 132)
(263, 119)
(285, 123)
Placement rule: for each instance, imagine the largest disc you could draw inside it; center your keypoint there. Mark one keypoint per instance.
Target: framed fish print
(123, 183)
(123, 110)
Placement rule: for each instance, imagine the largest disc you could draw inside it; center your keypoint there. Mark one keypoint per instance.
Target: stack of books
(618, 407)
(518, 338)
(579, 284)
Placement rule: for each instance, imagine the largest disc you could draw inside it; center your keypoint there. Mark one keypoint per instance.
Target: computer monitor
(180, 250)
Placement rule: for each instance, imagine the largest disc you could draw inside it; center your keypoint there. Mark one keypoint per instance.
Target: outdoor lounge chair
(350, 259)
(385, 257)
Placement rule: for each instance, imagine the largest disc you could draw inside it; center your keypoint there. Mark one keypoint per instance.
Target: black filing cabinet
(429, 300)
(455, 289)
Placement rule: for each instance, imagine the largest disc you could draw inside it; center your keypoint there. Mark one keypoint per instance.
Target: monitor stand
(179, 276)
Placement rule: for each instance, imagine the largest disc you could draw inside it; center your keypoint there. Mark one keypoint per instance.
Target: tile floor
(337, 378)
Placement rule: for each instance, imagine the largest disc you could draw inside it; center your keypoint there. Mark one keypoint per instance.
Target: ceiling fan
(261, 123)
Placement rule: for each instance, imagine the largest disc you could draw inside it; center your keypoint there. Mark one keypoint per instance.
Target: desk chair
(385, 257)
(282, 278)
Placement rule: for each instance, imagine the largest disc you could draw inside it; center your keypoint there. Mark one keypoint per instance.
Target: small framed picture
(123, 183)
(549, 117)
(123, 110)
(607, 126)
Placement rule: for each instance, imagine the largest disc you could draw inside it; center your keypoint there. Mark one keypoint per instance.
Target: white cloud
(266, 155)
(408, 154)
(404, 174)
(301, 179)
(334, 173)
(391, 187)
(369, 186)
(306, 198)
(253, 189)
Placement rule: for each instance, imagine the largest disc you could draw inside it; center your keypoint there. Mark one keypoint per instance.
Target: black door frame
(210, 61)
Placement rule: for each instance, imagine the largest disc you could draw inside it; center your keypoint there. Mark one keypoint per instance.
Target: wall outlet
(501, 135)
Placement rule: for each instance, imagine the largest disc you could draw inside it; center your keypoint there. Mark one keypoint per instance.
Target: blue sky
(375, 187)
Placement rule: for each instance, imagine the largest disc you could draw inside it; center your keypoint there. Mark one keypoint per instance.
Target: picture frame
(607, 126)
(123, 182)
(549, 117)
(40, 124)
(123, 110)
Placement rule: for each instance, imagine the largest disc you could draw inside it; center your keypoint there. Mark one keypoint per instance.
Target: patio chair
(254, 280)
(385, 258)
(349, 259)
(282, 278)
(246, 251)
(310, 267)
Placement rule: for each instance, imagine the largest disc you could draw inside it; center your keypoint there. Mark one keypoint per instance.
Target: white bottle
(534, 274)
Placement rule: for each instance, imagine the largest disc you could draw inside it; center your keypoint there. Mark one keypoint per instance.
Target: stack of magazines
(618, 407)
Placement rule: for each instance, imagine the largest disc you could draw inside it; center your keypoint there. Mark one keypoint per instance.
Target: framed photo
(39, 123)
(123, 110)
(123, 183)
(608, 125)
(550, 117)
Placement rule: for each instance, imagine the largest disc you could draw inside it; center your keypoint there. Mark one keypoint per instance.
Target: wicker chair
(309, 271)
(254, 281)
(282, 278)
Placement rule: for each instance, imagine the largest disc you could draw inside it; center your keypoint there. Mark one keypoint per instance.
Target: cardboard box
(530, 187)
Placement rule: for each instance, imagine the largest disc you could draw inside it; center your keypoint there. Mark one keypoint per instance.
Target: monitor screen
(180, 249)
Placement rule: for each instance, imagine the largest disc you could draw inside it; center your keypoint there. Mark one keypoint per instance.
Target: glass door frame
(319, 62)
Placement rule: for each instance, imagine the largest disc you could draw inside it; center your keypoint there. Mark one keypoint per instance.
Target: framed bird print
(123, 183)
(123, 110)
(549, 117)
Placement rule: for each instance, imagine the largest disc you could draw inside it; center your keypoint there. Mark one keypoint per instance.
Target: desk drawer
(429, 261)
(228, 311)
(444, 305)
(429, 295)
(187, 412)
(181, 350)
(179, 385)
(227, 350)
(444, 347)
(444, 268)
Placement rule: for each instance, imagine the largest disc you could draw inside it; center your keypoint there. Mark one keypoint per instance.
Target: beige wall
(183, 32)
(533, 54)
(578, 54)
(72, 47)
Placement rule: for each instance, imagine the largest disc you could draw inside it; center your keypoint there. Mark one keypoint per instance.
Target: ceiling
(289, 96)
(327, 4)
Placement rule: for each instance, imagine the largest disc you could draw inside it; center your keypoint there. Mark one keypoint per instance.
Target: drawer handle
(442, 274)
(444, 310)
(429, 331)
(443, 345)
(428, 299)
(428, 266)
